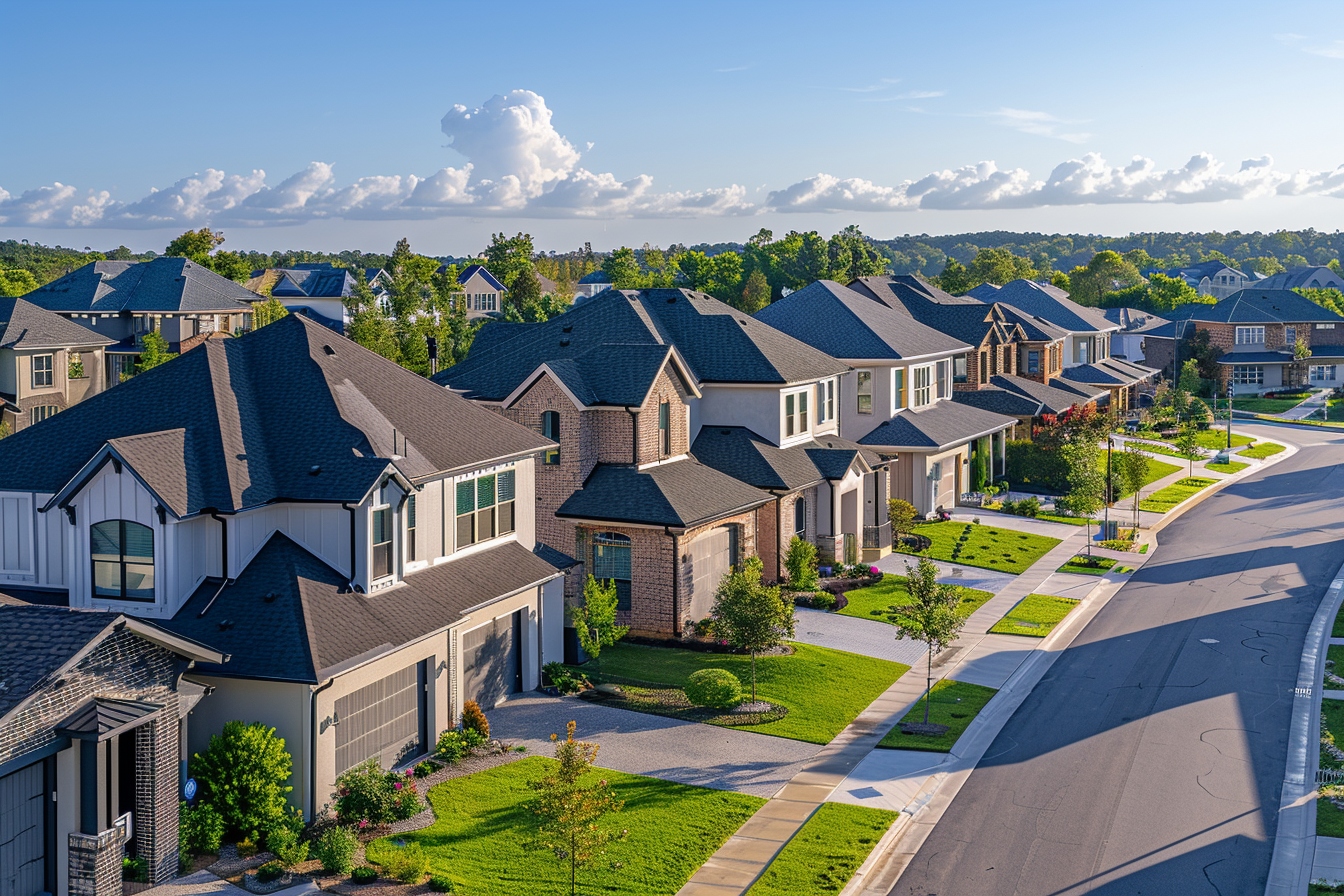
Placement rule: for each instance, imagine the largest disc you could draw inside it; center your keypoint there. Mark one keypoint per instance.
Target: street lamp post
(1229, 415)
(1106, 511)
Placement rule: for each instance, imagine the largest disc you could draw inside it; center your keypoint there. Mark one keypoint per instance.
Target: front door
(23, 841)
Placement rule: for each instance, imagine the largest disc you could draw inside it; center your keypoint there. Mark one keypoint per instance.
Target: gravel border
(469, 766)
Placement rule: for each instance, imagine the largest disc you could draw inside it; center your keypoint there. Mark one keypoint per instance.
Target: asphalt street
(1149, 759)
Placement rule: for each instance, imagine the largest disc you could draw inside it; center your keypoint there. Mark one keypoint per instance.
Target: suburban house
(318, 290)
(93, 715)
(1259, 332)
(1127, 342)
(897, 394)
(1319, 277)
(47, 363)
(690, 436)
(590, 285)
(1212, 278)
(124, 300)
(1087, 338)
(483, 294)
(357, 539)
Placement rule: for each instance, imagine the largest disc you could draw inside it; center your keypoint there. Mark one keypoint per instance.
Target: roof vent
(328, 349)
(314, 469)
(742, 321)
(725, 432)
(568, 328)
(270, 597)
(225, 624)
(672, 300)
(564, 343)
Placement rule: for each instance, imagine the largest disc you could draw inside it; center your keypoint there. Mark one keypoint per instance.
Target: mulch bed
(671, 702)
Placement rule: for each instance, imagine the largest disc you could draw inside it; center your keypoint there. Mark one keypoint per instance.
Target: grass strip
(1035, 616)
(1334, 665)
(987, 547)
(952, 703)
(874, 601)
(1229, 467)
(483, 828)
(826, 851)
(1082, 565)
(823, 689)
(1262, 450)
(1165, 499)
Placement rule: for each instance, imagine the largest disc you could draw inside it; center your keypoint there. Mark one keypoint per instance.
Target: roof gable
(163, 285)
(24, 325)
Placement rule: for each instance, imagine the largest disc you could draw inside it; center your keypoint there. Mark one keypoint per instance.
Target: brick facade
(156, 788)
(95, 864)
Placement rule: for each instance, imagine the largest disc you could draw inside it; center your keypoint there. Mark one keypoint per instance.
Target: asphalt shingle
(165, 284)
(683, 494)
(24, 325)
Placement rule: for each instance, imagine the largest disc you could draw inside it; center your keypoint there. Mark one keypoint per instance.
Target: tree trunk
(573, 867)
(928, 684)
(753, 676)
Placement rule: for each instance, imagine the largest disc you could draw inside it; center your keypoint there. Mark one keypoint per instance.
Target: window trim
(380, 548)
(616, 540)
(1333, 368)
(42, 412)
(409, 548)
(1251, 331)
(122, 562)
(897, 389)
(49, 372)
(924, 371)
(797, 418)
(496, 510)
(1248, 375)
(550, 429)
(1036, 368)
(825, 401)
(965, 374)
(665, 428)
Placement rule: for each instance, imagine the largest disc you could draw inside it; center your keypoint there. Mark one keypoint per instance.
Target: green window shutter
(466, 496)
(485, 491)
(506, 486)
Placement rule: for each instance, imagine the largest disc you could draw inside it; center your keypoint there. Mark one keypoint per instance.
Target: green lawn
(988, 547)
(1332, 724)
(1335, 654)
(954, 704)
(1337, 631)
(1265, 405)
(1157, 469)
(1036, 615)
(1164, 499)
(1229, 467)
(1060, 518)
(823, 689)
(825, 853)
(1155, 447)
(1262, 450)
(480, 836)
(1334, 410)
(1216, 439)
(872, 602)
(1098, 567)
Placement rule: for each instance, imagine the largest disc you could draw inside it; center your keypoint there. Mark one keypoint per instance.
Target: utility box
(1110, 530)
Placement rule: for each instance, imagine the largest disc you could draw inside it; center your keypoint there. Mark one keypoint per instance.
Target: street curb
(1295, 835)
(1205, 493)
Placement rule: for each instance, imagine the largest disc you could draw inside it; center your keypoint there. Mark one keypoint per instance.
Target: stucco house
(47, 363)
(359, 540)
(93, 713)
(482, 292)
(1212, 278)
(124, 300)
(1258, 331)
(674, 415)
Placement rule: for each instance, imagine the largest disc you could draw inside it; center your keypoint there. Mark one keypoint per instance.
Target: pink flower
(363, 823)
(397, 785)
(873, 570)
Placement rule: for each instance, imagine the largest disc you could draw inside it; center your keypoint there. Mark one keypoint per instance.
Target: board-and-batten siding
(32, 544)
(323, 529)
(110, 495)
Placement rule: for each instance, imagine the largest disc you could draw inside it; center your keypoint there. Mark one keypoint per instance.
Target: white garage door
(22, 844)
(711, 559)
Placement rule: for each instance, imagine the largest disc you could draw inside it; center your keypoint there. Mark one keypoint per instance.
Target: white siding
(321, 528)
(195, 545)
(16, 537)
(110, 495)
(758, 409)
(52, 529)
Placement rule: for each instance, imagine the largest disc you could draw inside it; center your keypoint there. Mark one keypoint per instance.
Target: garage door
(711, 559)
(383, 721)
(22, 843)
(492, 661)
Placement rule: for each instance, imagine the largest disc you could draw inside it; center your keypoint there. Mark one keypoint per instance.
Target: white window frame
(943, 378)
(1290, 335)
(1080, 352)
(48, 372)
(825, 401)
(481, 511)
(897, 389)
(796, 420)
(42, 412)
(921, 390)
(1325, 326)
(860, 394)
(1250, 335)
(1318, 373)
(1248, 374)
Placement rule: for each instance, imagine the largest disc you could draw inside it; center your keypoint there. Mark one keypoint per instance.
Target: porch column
(156, 789)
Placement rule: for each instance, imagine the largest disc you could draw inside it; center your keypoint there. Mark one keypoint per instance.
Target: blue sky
(328, 125)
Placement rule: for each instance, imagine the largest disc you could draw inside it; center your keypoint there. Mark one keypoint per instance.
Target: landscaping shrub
(821, 600)
(458, 743)
(135, 870)
(902, 515)
(287, 847)
(367, 795)
(715, 688)
(801, 562)
(269, 872)
(335, 849)
(473, 719)
(1028, 507)
(564, 679)
(704, 628)
(425, 769)
(247, 847)
(1031, 465)
(244, 774)
(441, 883)
(409, 864)
(364, 874)
(200, 829)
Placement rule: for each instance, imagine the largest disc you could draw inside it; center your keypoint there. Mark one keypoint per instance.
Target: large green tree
(622, 269)
(1107, 272)
(17, 282)
(750, 615)
(998, 266)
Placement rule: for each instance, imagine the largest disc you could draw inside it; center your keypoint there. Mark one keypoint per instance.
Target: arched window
(550, 428)
(800, 518)
(611, 561)
(123, 560)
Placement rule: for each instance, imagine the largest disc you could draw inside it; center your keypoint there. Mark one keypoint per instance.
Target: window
(1080, 352)
(665, 428)
(959, 369)
(923, 377)
(550, 428)
(1321, 373)
(1325, 326)
(796, 421)
(410, 527)
(485, 507)
(864, 391)
(800, 517)
(611, 563)
(944, 387)
(825, 401)
(382, 543)
(1290, 336)
(123, 560)
(1248, 375)
(1250, 335)
(897, 390)
(1033, 361)
(42, 367)
(37, 415)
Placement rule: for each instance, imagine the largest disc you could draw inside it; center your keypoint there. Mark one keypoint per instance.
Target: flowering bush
(456, 743)
(367, 795)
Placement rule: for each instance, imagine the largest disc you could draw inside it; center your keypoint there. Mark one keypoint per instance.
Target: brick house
(637, 387)
(93, 715)
(47, 363)
(357, 539)
(1257, 331)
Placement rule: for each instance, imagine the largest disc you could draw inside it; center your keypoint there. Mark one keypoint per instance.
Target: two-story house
(47, 363)
(1318, 277)
(673, 413)
(1134, 324)
(482, 292)
(1258, 332)
(1087, 337)
(124, 300)
(316, 290)
(1212, 278)
(356, 538)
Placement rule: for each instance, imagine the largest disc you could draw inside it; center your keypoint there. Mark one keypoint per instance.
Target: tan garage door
(711, 559)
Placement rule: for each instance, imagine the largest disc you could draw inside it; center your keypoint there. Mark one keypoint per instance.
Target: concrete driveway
(642, 744)
(867, 637)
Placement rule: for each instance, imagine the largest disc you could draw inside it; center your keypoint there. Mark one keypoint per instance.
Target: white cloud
(510, 139)
(1042, 124)
(59, 205)
(193, 198)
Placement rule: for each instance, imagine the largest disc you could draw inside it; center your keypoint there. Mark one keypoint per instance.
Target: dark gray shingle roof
(1056, 397)
(24, 325)
(37, 641)
(1108, 372)
(1050, 304)
(1000, 401)
(749, 458)
(1256, 358)
(1255, 305)
(941, 425)
(165, 284)
(683, 493)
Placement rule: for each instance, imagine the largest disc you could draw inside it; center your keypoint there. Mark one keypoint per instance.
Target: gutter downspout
(634, 435)
(224, 563)
(353, 566)
(312, 747)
